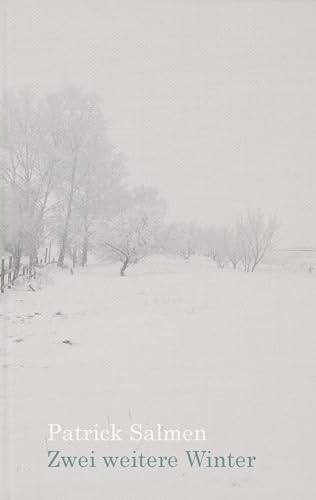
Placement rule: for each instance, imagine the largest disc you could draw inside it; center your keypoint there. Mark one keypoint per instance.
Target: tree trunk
(31, 264)
(17, 260)
(123, 268)
(85, 246)
(63, 246)
(49, 252)
(74, 257)
(254, 266)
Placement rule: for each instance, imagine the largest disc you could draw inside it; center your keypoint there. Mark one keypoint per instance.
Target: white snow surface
(178, 343)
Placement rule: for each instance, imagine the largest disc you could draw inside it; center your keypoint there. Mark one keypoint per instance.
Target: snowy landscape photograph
(158, 249)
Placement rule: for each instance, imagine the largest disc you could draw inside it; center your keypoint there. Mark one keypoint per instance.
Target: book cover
(158, 250)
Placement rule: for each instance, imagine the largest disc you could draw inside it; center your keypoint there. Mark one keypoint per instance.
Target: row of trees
(243, 245)
(63, 181)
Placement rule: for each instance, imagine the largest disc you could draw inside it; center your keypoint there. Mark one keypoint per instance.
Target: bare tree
(182, 239)
(134, 233)
(76, 125)
(26, 174)
(256, 235)
(100, 193)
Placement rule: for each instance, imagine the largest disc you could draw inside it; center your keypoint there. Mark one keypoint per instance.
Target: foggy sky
(212, 101)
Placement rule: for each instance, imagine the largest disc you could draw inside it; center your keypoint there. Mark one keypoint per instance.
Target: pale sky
(214, 102)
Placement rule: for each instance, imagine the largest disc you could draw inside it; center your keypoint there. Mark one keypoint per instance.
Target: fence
(10, 272)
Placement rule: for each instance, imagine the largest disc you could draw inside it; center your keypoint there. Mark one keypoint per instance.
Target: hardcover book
(158, 250)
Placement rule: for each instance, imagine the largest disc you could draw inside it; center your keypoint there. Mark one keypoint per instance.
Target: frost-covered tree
(77, 134)
(134, 233)
(27, 174)
(255, 233)
(182, 239)
(233, 247)
(246, 244)
(100, 194)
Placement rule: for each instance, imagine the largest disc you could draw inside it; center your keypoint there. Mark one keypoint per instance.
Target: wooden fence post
(2, 275)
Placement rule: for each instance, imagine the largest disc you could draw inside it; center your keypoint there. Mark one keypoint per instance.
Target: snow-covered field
(181, 344)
